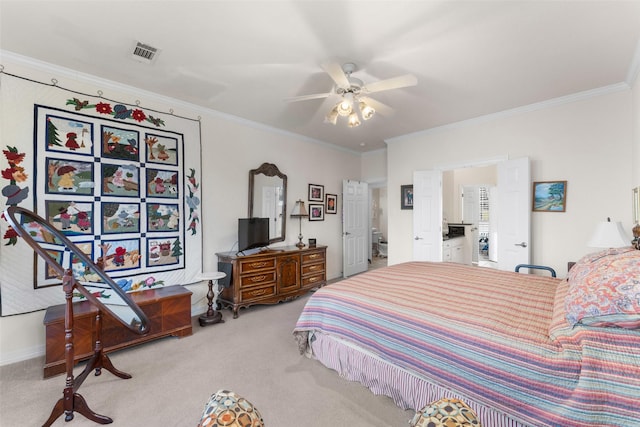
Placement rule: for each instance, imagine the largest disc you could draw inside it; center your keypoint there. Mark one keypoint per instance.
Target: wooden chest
(168, 310)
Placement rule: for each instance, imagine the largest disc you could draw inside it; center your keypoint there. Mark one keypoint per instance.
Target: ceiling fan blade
(394, 83)
(381, 108)
(337, 74)
(307, 97)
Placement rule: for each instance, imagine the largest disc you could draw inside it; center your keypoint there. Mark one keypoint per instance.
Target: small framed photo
(312, 243)
(316, 212)
(332, 204)
(316, 193)
(550, 196)
(406, 197)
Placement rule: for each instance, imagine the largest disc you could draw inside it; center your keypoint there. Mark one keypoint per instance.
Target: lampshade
(353, 120)
(332, 116)
(345, 107)
(609, 235)
(367, 111)
(299, 210)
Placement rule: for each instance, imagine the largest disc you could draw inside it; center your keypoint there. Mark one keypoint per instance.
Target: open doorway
(378, 249)
(469, 196)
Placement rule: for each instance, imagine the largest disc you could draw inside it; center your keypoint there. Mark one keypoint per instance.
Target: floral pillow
(604, 289)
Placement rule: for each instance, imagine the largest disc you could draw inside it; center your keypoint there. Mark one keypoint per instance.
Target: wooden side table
(211, 316)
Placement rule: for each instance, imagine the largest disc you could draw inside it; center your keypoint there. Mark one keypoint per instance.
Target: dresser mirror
(268, 199)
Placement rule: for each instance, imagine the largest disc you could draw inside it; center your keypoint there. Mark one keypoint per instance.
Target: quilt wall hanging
(121, 182)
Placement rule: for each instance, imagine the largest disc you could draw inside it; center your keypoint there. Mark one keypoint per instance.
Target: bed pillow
(604, 289)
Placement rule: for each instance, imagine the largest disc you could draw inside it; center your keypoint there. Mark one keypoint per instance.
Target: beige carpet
(254, 355)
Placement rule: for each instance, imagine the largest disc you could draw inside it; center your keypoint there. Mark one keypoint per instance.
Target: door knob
(523, 244)
(417, 238)
(346, 233)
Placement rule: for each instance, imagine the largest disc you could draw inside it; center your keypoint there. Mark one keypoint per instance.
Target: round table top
(213, 275)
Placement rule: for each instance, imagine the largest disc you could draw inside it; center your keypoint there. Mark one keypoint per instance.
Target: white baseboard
(7, 358)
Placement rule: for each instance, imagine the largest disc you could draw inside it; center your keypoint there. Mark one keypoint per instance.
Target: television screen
(253, 233)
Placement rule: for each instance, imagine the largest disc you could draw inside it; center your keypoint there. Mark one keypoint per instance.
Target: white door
(493, 224)
(355, 227)
(427, 216)
(514, 204)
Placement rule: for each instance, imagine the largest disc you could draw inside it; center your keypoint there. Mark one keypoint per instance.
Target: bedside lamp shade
(609, 235)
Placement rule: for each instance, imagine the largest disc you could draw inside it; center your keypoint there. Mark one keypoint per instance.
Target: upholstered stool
(445, 413)
(226, 408)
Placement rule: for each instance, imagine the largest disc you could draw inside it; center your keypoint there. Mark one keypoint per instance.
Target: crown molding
(59, 71)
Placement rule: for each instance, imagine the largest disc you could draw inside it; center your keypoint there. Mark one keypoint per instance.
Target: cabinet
(168, 310)
(272, 276)
(453, 250)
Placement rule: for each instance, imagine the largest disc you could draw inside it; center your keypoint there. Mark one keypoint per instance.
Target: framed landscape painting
(550, 196)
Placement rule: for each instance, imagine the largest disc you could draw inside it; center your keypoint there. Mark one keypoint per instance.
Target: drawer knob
(258, 292)
(314, 256)
(258, 278)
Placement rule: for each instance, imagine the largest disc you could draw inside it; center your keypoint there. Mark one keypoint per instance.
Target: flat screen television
(252, 233)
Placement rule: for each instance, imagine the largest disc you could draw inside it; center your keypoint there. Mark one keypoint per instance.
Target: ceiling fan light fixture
(367, 111)
(353, 120)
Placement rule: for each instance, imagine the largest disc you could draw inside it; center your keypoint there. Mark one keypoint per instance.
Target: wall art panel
(121, 182)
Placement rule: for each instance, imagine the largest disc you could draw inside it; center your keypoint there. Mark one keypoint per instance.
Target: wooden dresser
(272, 276)
(168, 310)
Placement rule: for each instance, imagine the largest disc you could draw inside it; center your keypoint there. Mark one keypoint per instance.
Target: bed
(519, 349)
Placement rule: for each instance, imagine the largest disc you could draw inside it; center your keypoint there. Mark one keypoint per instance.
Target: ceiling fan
(354, 102)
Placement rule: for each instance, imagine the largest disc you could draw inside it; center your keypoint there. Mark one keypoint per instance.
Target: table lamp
(299, 211)
(609, 235)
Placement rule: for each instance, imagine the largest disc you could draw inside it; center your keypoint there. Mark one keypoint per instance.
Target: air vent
(144, 53)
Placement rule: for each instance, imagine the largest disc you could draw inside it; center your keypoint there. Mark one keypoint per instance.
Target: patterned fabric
(604, 289)
(226, 408)
(445, 413)
(485, 335)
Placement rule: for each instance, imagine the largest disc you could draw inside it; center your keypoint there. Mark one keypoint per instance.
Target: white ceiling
(243, 58)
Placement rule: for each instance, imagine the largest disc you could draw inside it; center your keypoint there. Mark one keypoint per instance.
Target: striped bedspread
(497, 338)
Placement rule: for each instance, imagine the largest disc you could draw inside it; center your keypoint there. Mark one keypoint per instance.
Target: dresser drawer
(249, 294)
(310, 280)
(312, 257)
(312, 268)
(257, 265)
(256, 279)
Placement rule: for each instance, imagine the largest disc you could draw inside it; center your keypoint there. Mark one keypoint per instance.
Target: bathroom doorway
(378, 249)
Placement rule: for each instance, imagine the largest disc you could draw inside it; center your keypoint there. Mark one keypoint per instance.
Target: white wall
(587, 142)
(230, 148)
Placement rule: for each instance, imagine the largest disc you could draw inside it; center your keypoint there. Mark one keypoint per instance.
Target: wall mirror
(268, 199)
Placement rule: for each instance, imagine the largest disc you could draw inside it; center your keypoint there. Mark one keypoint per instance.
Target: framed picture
(316, 212)
(316, 193)
(406, 197)
(550, 196)
(332, 204)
